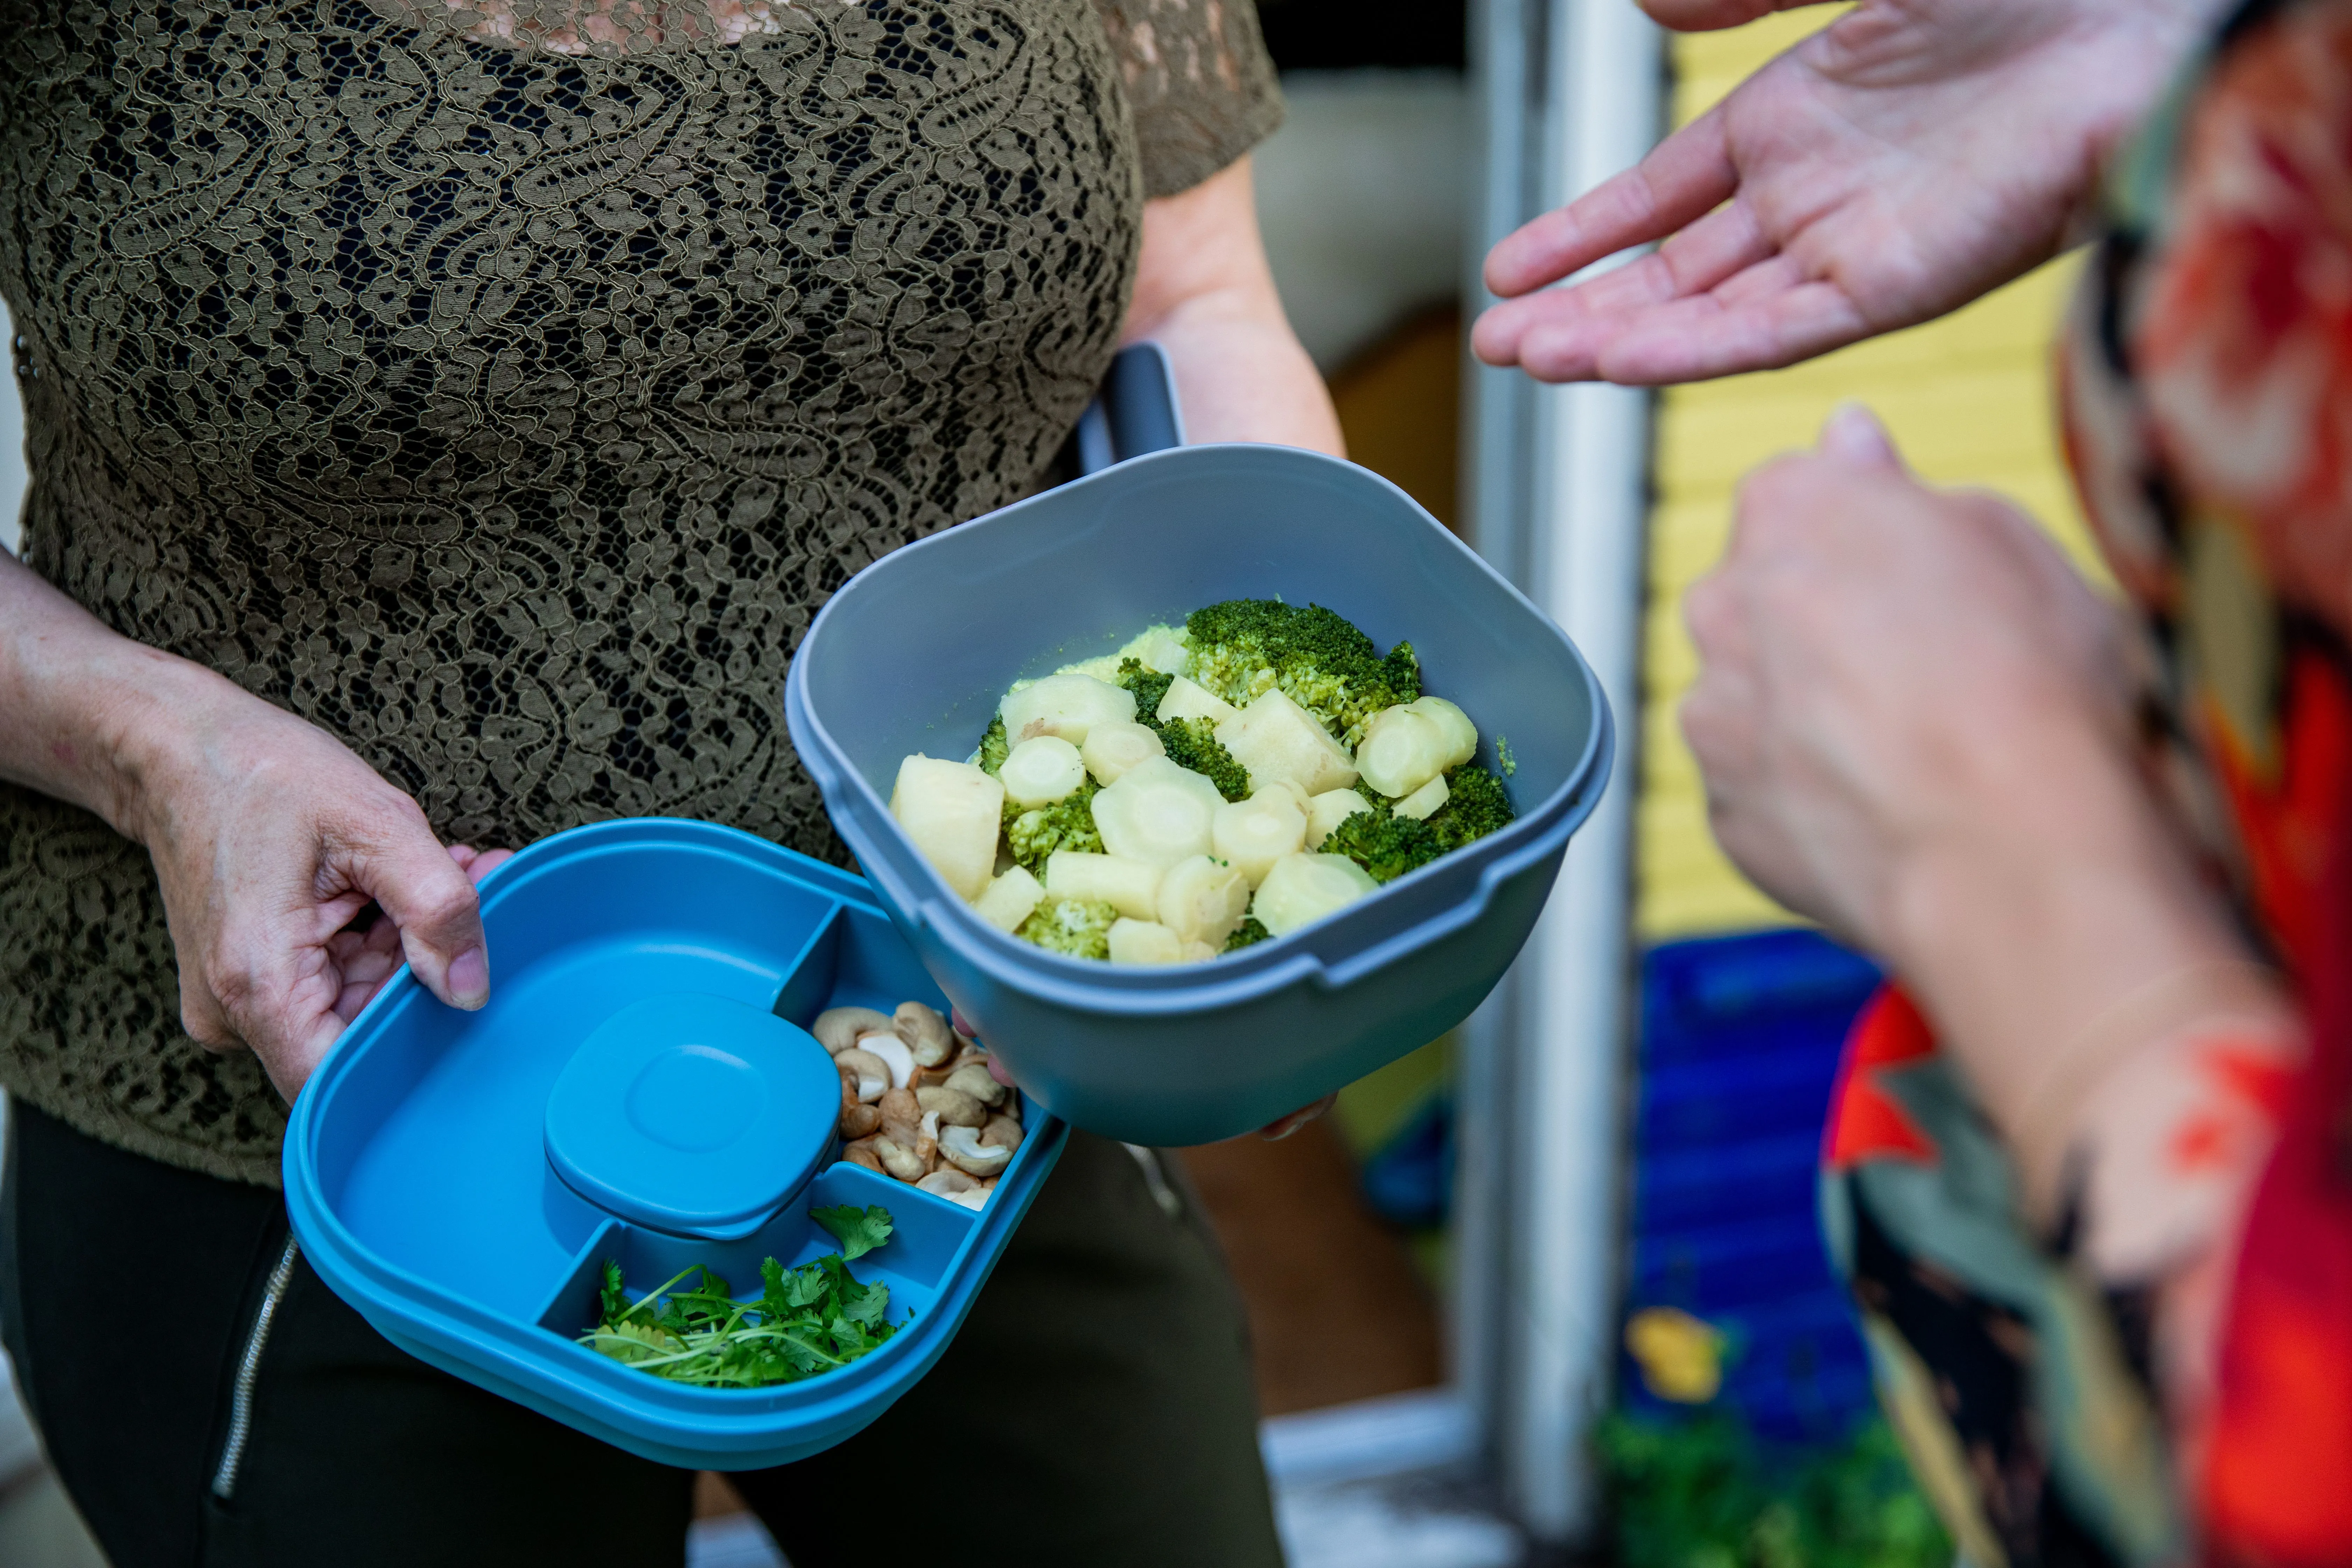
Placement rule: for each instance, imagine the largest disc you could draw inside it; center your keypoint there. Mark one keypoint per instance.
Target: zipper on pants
(249, 1372)
(1157, 1180)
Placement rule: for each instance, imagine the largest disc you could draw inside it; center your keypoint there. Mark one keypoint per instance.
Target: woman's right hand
(269, 838)
(1906, 158)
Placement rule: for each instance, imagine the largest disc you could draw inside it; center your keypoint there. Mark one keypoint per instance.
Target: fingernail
(470, 978)
(1853, 433)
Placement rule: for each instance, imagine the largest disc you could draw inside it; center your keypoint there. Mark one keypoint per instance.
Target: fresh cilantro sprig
(806, 1320)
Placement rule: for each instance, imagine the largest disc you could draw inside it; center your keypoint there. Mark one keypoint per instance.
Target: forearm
(2117, 1032)
(2055, 942)
(1204, 293)
(84, 711)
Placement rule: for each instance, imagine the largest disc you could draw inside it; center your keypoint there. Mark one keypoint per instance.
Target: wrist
(146, 728)
(2027, 932)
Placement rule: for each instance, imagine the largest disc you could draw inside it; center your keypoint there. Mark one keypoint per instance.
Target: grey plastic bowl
(913, 653)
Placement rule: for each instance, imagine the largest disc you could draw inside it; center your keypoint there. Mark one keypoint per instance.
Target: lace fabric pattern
(507, 408)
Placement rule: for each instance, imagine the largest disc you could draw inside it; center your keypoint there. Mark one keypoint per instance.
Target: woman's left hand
(1892, 674)
(367, 952)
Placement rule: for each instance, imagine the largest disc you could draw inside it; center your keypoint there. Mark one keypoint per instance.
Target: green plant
(1701, 1493)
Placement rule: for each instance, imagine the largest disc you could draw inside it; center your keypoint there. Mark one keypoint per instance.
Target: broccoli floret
(1249, 934)
(1148, 685)
(1475, 805)
(1190, 744)
(1243, 647)
(1503, 755)
(994, 746)
(1388, 846)
(1078, 927)
(1384, 844)
(1032, 832)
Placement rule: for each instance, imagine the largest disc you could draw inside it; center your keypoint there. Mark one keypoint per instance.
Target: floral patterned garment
(2207, 384)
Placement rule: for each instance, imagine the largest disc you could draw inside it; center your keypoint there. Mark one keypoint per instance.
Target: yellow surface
(1968, 401)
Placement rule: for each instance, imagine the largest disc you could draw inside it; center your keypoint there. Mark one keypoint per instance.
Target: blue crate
(1741, 1039)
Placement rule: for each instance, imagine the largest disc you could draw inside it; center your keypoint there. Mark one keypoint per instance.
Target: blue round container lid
(693, 1114)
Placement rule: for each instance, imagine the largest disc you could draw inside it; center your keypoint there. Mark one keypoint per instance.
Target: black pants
(1095, 1408)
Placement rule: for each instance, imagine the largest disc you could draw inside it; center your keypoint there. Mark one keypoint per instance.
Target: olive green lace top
(503, 391)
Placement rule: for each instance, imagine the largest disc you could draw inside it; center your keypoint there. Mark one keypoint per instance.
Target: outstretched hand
(1908, 157)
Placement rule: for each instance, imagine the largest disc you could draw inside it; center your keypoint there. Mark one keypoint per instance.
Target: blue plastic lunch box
(640, 1088)
(914, 652)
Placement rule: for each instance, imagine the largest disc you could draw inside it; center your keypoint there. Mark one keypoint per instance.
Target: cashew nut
(1002, 1132)
(862, 1154)
(927, 1139)
(974, 1080)
(962, 1147)
(955, 1186)
(927, 1034)
(953, 1107)
(869, 1073)
(899, 1161)
(837, 1028)
(860, 1121)
(886, 1043)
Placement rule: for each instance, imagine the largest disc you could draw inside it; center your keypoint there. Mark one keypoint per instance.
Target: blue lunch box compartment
(639, 1088)
(913, 654)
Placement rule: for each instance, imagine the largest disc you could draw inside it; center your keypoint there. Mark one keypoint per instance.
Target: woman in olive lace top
(445, 423)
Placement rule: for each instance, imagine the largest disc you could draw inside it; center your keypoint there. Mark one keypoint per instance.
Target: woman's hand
(1204, 293)
(1907, 158)
(1915, 725)
(1883, 667)
(269, 836)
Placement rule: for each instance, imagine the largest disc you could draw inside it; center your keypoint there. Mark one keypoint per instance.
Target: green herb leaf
(858, 1231)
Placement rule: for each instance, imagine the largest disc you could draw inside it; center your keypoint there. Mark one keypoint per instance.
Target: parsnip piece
(1203, 899)
(1188, 700)
(1302, 888)
(1326, 811)
(1425, 800)
(1164, 655)
(1144, 942)
(1198, 953)
(1156, 812)
(1402, 750)
(1041, 770)
(1111, 749)
(1068, 706)
(951, 811)
(1010, 900)
(1275, 739)
(1252, 834)
(1130, 887)
(1461, 734)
